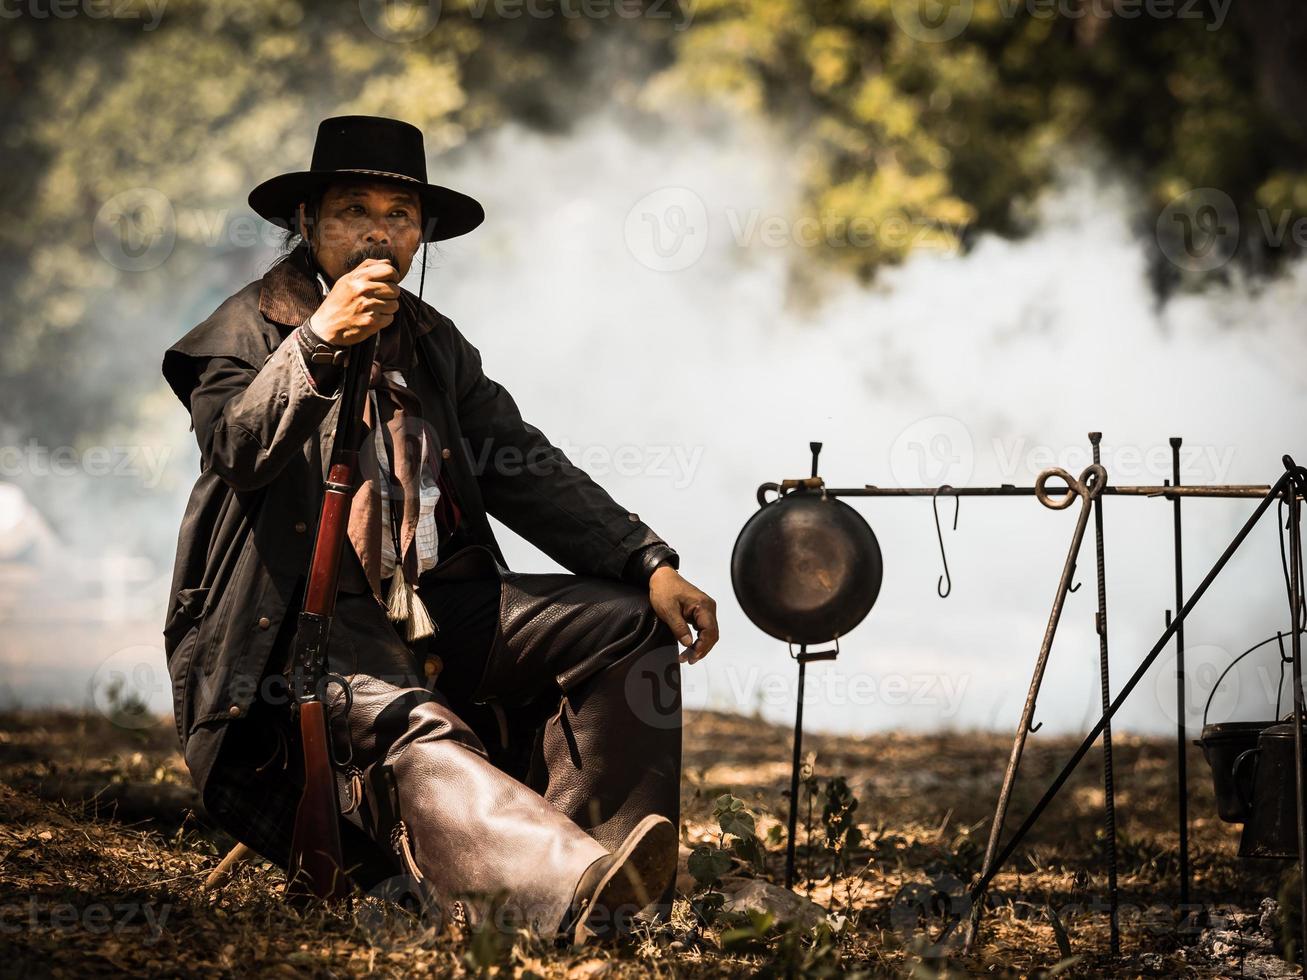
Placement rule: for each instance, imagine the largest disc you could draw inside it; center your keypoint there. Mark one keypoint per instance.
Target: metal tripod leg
(1087, 488)
(1295, 474)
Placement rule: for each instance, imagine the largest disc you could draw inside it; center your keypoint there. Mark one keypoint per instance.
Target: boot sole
(646, 862)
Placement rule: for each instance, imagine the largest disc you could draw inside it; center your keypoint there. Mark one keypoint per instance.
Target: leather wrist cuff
(642, 563)
(325, 361)
(318, 350)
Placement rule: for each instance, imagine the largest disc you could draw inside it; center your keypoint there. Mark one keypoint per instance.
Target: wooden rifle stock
(316, 861)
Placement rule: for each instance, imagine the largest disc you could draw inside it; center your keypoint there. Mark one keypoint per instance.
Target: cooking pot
(1272, 827)
(806, 567)
(1224, 742)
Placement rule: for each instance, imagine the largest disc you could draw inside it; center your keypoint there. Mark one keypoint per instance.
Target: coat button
(300, 527)
(632, 517)
(445, 453)
(234, 711)
(283, 397)
(264, 622)
(433, 666)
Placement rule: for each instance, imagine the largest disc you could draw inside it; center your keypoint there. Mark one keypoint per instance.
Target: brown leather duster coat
(265, 439)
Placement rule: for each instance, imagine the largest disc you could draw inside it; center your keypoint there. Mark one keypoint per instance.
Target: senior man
(514, 739)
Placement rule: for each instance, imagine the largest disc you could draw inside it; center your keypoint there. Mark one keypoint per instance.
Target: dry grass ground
(112, 886)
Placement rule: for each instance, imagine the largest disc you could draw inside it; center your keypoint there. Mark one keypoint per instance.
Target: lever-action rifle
(316, 861)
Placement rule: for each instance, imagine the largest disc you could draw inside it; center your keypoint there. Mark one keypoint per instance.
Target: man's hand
(362, 301)
(675, 600)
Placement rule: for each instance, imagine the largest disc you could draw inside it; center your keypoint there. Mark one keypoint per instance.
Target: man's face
(358, 221)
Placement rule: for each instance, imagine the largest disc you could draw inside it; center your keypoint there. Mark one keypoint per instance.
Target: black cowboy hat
(374, 148)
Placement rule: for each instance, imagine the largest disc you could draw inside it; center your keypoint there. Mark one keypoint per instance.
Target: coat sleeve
(530, 485)
(249, 423)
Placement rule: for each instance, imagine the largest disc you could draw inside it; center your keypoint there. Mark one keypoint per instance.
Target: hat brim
(445, 213)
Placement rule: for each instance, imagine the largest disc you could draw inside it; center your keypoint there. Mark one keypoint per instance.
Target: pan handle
(807, 483)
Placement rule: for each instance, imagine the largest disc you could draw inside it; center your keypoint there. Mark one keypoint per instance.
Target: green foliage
(749, 937)
(964, 129)
(898, 143)
(842, 834)
(709, 863)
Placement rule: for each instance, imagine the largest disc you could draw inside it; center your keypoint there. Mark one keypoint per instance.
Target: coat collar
(290, 292)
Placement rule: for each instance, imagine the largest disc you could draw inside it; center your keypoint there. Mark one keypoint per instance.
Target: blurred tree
(949, 117)
(914, 123)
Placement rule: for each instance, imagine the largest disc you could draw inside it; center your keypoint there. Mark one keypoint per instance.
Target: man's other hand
(675, 601)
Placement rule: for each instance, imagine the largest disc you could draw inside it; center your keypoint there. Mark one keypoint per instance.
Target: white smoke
(682, 371)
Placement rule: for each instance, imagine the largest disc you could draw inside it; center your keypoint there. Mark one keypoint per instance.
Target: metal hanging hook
(945, 584)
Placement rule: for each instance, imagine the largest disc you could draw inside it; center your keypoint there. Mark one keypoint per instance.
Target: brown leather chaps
(495, 761)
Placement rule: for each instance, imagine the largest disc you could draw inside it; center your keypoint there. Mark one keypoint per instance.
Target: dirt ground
(102, 859)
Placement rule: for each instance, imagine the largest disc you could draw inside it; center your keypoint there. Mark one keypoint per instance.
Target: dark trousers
(504, 754)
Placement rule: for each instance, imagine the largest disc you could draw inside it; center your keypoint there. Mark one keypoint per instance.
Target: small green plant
(709, 863)
(837, 817)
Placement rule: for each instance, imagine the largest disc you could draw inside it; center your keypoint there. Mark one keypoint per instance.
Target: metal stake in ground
(1087, 488)
(804, 658)
(1297, 484)
(1109, 788)
(1181, 699)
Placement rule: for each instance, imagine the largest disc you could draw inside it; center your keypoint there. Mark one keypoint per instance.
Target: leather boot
(467, 831)
(620, 883)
